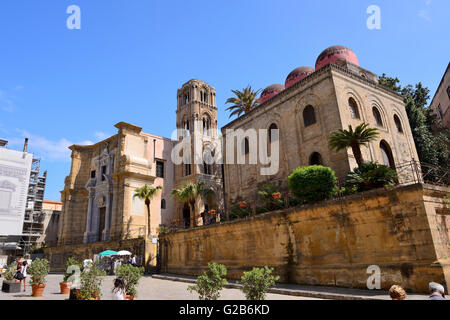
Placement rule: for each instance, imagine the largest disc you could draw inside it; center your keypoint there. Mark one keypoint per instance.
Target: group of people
(111, 264)
(437, 292)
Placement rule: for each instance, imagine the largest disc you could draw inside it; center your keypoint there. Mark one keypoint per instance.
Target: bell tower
(197, 121)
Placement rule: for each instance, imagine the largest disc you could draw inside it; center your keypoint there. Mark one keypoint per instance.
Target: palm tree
(190, 193)
(343, 139)
(146, 193)
(244, 101)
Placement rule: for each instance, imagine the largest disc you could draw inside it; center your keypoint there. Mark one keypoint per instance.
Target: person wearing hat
(437, 291)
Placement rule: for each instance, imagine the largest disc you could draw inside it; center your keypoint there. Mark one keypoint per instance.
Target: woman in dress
(23, 271)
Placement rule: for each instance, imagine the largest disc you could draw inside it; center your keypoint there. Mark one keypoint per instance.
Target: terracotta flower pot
(65, 287)
(129, 297)
(37, 289)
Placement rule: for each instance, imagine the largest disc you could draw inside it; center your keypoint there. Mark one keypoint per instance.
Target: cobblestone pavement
(148, 289)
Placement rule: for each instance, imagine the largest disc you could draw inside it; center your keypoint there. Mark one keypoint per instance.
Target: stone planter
(37, 289)
(65, 287)
(10, 286)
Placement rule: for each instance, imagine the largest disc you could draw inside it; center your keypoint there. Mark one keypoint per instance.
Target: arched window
(186, 127)
(398, 123)
(246, 146)
(377, 117)
(353, 106)
(315, 159)
(309, 116)
(187, 169)
(206, 122)
(207, 168)
(273, 126)
(386, 153)
(163, 203)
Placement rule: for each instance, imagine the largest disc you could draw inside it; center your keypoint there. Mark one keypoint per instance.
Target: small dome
(335, 53)
(298, 74)
(270, 91)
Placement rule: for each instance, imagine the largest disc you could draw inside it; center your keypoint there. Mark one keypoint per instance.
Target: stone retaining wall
(404, 231)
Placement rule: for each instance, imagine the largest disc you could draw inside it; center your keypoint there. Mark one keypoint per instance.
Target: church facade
(307, 108)
(98, 202)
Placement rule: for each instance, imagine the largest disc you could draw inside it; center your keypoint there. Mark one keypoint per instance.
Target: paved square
(148, 289)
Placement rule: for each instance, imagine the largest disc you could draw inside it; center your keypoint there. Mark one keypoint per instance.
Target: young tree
(190, 193)
(256, 282)
(244, 101)
(343, 139)
(147, 193)
(211, 282)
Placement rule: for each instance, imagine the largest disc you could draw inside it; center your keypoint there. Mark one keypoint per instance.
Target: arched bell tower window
(309, 116)
(353, 107)
(206, 123)
(377, 117)
(386, 153)
(315, 159)
(398, 123)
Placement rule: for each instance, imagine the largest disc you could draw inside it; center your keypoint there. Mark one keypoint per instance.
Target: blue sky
(61, 86)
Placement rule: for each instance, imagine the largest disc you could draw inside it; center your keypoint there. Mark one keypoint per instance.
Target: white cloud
(5, 103)
(52, 150)
(424, 14)
(101, 135)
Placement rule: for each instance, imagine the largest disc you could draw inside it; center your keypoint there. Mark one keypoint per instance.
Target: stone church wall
(404, 231)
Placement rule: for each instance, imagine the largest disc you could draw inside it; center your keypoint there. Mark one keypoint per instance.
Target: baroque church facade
(98, 202)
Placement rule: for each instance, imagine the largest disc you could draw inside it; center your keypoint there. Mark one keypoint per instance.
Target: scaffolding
(33, 224)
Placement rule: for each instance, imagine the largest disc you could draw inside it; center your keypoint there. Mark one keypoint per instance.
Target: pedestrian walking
(23, 271)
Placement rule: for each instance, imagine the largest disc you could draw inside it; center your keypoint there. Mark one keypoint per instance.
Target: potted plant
(9, 273)
(38, 270)
(130, 276)
(91, 282)
(72, 266)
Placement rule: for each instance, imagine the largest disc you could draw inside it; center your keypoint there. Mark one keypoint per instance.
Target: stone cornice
(313, 76)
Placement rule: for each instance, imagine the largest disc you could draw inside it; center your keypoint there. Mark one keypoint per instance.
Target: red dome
(298, 74)
(270, 91)
(335, 53)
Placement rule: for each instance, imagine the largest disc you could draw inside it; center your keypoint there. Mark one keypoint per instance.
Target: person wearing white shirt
(118, 292)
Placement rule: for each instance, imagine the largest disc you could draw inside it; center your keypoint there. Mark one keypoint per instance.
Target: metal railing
(420, 172)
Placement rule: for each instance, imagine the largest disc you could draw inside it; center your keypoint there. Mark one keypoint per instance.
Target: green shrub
(210, 283)
(236, 212)
(371, 175)
(9, 274)
(312, 183)
(70, 262)
(256, 282)
(130, 275)
(91, 282)
(38, 270)
(266, 195)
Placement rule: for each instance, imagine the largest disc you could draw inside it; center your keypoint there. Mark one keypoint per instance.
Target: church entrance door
(101, 223)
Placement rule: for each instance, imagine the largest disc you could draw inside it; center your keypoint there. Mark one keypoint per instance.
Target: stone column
(106, 231)
(89, 219)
